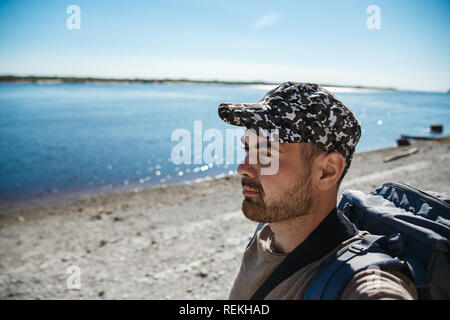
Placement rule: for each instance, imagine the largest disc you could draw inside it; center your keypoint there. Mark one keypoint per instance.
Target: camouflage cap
(302, 112)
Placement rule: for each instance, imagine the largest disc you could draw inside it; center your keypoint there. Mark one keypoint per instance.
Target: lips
(249, 192)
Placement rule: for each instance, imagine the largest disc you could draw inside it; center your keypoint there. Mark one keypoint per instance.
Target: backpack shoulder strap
(331, 279)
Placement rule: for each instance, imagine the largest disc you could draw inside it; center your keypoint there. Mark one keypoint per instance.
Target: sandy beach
(174, 242)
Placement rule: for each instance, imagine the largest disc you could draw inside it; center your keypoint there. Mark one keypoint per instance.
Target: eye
(244, 148)
(265, 153)
(265, 158)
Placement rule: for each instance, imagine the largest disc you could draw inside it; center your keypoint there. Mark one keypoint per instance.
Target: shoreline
(176, 242)
(68, 197)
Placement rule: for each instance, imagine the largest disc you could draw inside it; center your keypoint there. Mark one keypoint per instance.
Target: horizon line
(94, 79)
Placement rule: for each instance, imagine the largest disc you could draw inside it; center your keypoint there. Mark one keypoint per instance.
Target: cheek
(279, 183)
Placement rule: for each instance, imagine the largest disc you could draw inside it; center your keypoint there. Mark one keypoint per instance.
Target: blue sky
(317, 41)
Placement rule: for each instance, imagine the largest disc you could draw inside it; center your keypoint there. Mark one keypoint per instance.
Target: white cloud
(266, 20)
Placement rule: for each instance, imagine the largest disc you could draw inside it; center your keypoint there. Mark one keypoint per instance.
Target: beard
(291, 202)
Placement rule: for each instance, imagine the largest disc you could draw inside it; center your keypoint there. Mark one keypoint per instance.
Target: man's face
(280, 196)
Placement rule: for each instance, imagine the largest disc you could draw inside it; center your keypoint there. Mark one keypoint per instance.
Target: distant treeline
(50, 79)
(9, 78)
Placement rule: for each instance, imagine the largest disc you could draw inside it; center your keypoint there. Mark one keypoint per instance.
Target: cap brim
(249, 115)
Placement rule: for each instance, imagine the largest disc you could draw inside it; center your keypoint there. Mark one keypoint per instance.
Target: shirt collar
(329, 234)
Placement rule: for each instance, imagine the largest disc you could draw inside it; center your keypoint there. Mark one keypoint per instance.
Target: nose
(245, 169)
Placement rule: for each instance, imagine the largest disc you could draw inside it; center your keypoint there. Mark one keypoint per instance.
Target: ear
(330, 169)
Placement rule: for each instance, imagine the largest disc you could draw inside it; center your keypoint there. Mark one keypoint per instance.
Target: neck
(289, 234)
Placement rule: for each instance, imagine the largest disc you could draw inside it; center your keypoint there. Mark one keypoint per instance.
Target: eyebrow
(268, 144)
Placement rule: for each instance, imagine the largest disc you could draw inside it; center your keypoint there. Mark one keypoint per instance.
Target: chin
(255, 211)
(252, 210)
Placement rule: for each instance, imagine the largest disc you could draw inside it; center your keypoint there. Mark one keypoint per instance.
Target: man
(313, 145)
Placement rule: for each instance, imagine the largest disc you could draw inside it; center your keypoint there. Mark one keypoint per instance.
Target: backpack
(410, 232)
